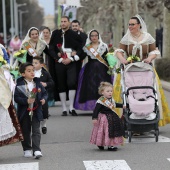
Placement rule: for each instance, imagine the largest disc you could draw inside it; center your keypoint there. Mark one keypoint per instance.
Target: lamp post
(16, 6)
(12, 17)
(4, 22)
(20, 23)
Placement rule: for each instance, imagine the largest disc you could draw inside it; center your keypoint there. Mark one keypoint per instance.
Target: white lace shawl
(100, 50)
(40, 44)
(146, 40)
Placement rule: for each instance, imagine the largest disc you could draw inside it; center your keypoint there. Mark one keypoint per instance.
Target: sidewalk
(165, 85)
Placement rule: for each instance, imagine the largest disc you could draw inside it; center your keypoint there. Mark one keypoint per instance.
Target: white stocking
(63, 100)
(71, 98)
(43, 123)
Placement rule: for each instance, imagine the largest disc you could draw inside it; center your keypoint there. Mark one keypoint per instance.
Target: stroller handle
(140, 87)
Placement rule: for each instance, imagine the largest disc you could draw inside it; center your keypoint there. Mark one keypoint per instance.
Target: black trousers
(45, 110)
(66, 76)
(31, 141)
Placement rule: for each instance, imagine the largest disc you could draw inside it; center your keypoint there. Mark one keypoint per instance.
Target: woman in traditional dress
(138, 42)
(93, 72)
(46, 36)
(33, 44)
(10, 131)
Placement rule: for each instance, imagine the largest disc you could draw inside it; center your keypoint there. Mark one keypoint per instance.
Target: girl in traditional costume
(33, 44)
(92, 73)
(10, 131)
(107, 130)
(138, 42)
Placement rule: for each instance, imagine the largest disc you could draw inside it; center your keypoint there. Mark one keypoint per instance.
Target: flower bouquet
(112, 60)
(132, 59)
(21, 55)
(2, 61)
(32, 95)
(15, 72)
(63, 54)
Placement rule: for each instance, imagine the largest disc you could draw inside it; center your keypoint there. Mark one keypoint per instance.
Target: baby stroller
(140, 97)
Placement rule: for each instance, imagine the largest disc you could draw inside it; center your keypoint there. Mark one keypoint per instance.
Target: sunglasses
(132, 24)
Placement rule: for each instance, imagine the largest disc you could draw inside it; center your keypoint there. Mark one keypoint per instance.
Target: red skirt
(100, 134)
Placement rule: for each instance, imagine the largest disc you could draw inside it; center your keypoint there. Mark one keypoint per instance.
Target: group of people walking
(68, 64)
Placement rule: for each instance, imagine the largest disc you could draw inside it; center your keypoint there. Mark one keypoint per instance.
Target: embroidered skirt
(10, 130)
(100, 134)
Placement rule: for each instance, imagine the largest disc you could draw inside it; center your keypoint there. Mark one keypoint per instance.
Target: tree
(166, 27)
(33, 18)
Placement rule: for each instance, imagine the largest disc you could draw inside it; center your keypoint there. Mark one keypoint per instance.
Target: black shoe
(44, 130)
(73, 113)
(64, 113)
(112, 148)
(101, 147)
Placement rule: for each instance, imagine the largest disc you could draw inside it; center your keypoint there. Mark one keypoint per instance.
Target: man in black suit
(75, 26)
(67, 41)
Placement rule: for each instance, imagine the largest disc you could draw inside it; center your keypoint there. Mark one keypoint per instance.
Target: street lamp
(20, 23)
(16, 6)
(4, 22)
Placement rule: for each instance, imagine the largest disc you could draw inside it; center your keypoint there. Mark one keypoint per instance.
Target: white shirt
(30, 85)
(37, 73)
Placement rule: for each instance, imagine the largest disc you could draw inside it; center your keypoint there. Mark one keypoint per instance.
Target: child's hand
(94, 122)
(124, 107)
(44, 84)
(31, 100)
(42, 101)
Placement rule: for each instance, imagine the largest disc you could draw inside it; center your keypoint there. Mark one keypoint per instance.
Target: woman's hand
(123, 61)
(148, 60)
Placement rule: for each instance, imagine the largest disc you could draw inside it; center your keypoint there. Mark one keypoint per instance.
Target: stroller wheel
(156, 135)
(129, 136)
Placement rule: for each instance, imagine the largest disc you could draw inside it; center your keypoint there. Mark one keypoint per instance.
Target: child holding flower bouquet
(30, 95)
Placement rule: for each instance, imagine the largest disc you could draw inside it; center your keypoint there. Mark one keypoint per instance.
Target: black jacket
(21, 98)
(46, 78)
(72, 40)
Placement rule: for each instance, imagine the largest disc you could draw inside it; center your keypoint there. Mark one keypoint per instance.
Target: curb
(165, 85)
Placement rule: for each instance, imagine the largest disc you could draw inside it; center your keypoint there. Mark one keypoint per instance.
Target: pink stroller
(139, 95)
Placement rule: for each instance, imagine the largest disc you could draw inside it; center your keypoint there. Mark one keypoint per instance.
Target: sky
(48, 6)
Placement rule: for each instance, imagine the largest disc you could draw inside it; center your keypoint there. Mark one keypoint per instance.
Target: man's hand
(66, 61)
(73, 53)
(59, 54)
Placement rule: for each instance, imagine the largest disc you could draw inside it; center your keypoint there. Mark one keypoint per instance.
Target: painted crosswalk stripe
(106, 165)
(148, 139)
(20, 166)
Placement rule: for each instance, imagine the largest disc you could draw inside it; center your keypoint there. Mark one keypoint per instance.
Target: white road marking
(168, 159)
(106, 165)
(20, 166)
(148, 139)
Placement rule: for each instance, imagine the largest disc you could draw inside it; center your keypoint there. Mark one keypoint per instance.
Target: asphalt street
(66, 146)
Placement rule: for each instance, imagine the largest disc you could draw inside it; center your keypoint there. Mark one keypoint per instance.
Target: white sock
(63, 100)
(43, 123)
(71, 98)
